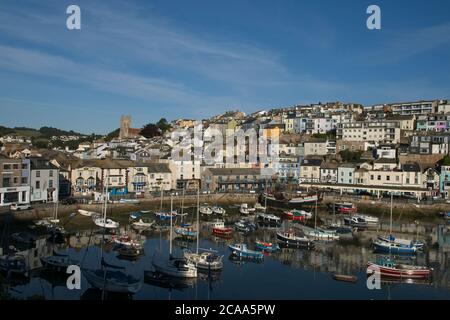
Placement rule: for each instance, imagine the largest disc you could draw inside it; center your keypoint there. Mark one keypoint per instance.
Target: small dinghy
(87, 213)
(345, 278)
(142, 225)
(106, 223)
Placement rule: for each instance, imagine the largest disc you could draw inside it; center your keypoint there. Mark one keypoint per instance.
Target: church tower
(125, 123)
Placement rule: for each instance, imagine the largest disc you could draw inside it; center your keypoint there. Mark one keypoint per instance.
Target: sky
(197, 58)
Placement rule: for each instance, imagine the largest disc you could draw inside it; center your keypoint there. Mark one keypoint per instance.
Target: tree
(150, 130)
(163, 125)
(112, 135)
(446, 160)
(350, 156)
(40, 143)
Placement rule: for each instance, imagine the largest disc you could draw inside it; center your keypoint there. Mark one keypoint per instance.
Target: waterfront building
(310, 170)
(234, 179)
(328, 172)
(149, 177)
(44, 180)
(15, 181)
(444, 183)
(346, 173)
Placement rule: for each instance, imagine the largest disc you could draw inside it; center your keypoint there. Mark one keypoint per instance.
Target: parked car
(69, 201)
(19, 207)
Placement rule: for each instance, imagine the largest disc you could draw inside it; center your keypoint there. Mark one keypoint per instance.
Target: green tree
(446, 160)
(350, 156)
(163, 125)
(151, 130)
(112, 135)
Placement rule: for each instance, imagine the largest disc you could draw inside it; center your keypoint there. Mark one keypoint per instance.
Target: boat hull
(398, 273)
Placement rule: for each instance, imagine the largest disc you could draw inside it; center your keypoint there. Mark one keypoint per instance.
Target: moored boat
(289, 238)
(241, 250)
(393, 247)
(268, 218)
(106, 223)
(355, 222)
(343, 207)
(206, 210)
(186, 231)
(58, 262)
(205, 260)
(297, 215)
(267, 246)
(218, 210)
(387, 267)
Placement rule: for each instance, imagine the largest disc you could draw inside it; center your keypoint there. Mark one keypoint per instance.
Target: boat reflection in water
(161, 280)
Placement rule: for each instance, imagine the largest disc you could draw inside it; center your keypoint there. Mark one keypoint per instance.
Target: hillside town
(401, 148)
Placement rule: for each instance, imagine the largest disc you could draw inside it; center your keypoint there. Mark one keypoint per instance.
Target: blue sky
(197, 58)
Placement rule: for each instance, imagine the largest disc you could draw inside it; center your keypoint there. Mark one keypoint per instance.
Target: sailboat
(394, 245)
(263, 245)
(110, 278)
(104, 222)
(58, 262)
(206, 260)
(319, 233)
(174, 267)
(162, 215)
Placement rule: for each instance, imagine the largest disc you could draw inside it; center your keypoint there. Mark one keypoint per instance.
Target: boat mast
(315, 214)
(170, 217)
(390, 224)
(198, 216)
(162, 196)
(182, 202)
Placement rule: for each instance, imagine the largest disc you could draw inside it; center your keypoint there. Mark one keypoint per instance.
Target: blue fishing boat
(393, 247)
(186, 231)
(403, 242)
(267, 246)
(161, 215)
(241, 250)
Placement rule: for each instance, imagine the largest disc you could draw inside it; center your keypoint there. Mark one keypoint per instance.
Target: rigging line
(87, 248)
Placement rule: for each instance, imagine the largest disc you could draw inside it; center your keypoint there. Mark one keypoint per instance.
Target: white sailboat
(174, 267)
(206, 260)
(105, 222)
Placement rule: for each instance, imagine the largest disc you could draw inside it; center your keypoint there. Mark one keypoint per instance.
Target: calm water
(289, 274)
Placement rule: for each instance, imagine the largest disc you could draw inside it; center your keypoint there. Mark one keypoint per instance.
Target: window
(6, 182)
(16, 166)
(24, 180)
(38, 184)
(371, 177)
(24, 166)
(379, 177)
(16, 180)
(50, 173)
(38, 174)
(6, 167)
(50, 183)
(388, 178)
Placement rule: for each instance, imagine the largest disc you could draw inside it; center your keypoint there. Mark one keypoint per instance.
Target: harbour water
(288, 274)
